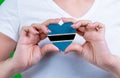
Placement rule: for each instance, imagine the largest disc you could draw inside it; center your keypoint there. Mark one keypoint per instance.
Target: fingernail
(49, 31)
(73, 26)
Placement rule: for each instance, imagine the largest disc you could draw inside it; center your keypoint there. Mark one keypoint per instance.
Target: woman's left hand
(95, 49)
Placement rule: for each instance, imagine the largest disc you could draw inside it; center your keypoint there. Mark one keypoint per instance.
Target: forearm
(116, 66)
(7, 45)
(7, 69)
(109, 62)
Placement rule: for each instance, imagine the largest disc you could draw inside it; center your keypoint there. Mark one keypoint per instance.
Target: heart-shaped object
(61, 35)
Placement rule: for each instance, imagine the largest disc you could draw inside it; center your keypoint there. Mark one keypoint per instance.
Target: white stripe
(62, 41)
(60, 34)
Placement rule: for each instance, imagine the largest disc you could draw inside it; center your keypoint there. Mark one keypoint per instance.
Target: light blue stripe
(62, 45)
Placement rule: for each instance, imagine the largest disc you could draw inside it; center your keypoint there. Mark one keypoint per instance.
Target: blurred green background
(1, 1)
(17, 75)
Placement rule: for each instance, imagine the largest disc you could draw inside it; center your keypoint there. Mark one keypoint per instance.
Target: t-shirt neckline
(66, 14)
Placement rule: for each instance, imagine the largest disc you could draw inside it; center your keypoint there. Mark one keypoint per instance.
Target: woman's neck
(75, 8)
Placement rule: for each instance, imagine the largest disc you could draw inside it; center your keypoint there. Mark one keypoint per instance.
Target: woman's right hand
(28, 52)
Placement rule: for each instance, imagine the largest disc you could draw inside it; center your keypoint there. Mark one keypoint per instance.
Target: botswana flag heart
(61, 35)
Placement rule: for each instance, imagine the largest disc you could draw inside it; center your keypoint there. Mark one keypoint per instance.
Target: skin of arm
(7, 45)
(8, 68)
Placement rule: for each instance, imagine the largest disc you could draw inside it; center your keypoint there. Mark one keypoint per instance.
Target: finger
(74, 48)
(40, 28)
(81, 23)
(43, 30)
(49, 48)
(50, 21)
(99, 26)
(68, 20)
(80, 26)
(95, 26)
(91, 27)
(24, 31)
(82, 29)
(43, 27)
(80, 33)
(42, 36)
(32, 30)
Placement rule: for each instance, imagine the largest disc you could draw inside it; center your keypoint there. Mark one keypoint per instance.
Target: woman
(24, 14)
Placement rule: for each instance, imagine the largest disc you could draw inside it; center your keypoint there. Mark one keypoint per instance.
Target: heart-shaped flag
(61, 35)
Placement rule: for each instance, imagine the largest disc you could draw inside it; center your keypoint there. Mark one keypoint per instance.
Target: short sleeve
(9, 19)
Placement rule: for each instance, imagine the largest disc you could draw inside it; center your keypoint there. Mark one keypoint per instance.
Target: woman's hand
(28, 52)
(95, 49)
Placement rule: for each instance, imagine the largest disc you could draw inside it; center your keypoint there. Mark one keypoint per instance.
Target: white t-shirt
(14, 14)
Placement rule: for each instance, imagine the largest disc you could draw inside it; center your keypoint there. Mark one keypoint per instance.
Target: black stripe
(61, 37)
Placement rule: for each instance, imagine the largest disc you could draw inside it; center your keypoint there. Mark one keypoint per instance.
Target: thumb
(74, 47)
(49, 48)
